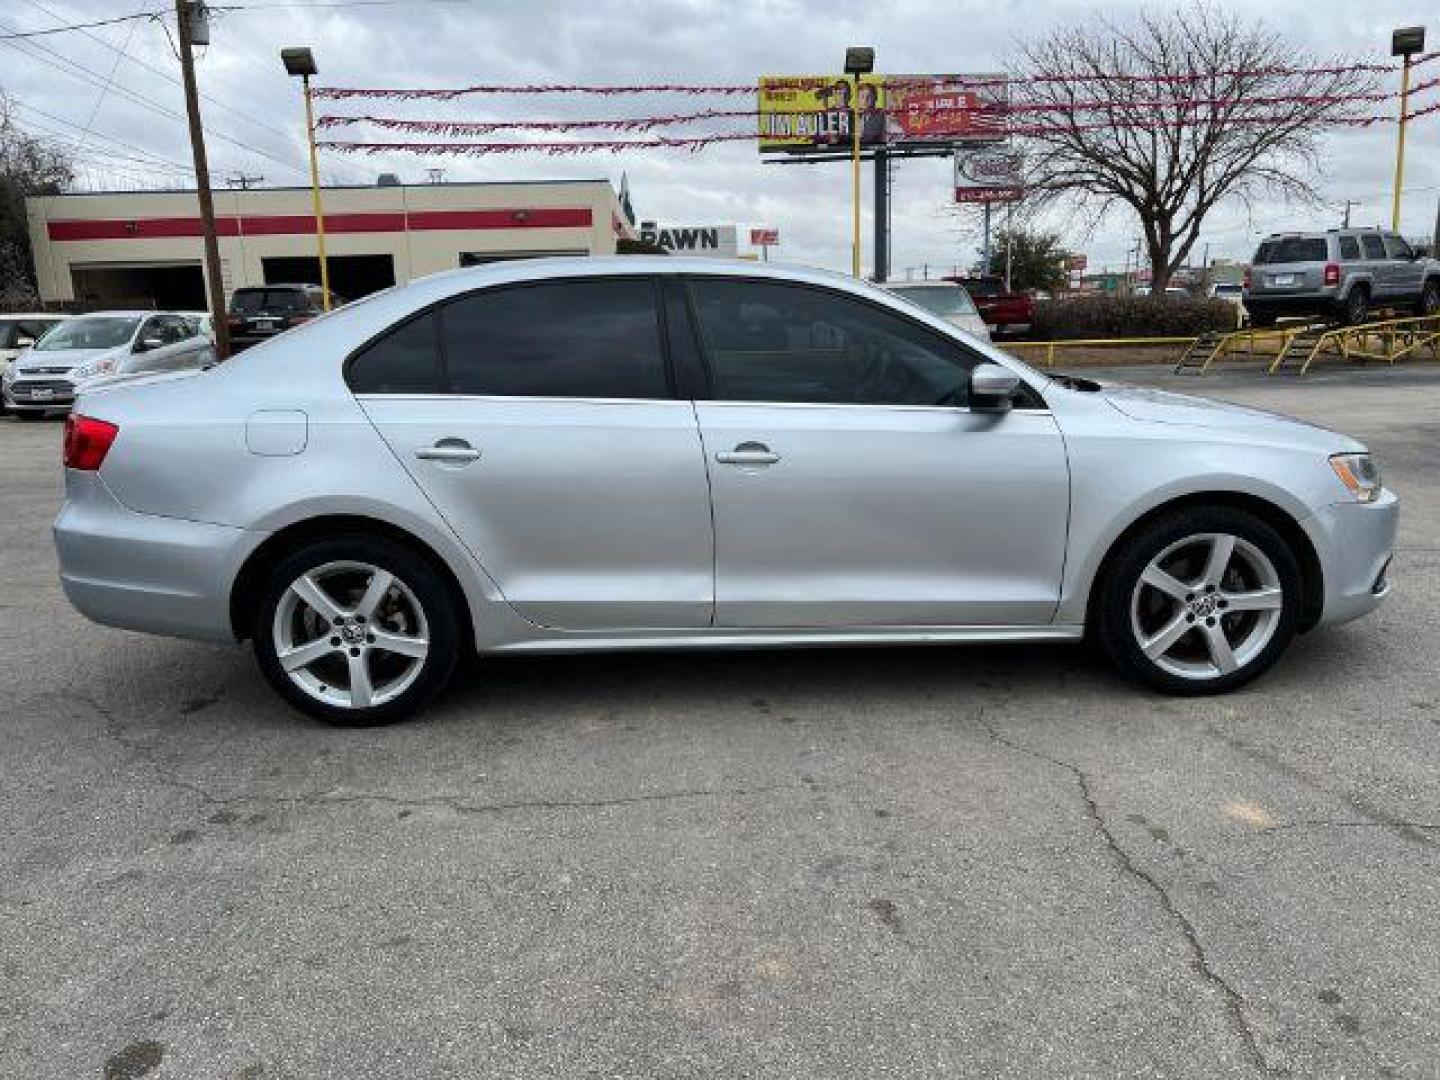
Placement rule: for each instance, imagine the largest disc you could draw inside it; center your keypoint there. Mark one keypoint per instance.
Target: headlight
(1359, 474)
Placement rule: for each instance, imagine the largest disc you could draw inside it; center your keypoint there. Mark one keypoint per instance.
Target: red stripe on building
(292, 224)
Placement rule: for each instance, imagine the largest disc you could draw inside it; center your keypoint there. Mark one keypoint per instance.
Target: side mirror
(992, 388)
(146, 344)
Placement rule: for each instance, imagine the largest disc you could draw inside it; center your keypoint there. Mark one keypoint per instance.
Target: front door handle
(449, 451)
(748, 453)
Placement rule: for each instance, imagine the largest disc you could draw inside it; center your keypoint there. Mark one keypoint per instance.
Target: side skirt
(782, 638)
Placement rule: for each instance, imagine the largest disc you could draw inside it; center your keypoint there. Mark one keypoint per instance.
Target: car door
(150, 348)
(851, 483)
(1404, 275)
(539, 420)
(1373, 248)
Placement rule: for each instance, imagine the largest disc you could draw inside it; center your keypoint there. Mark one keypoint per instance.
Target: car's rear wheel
(1200, 601)
(1354, 307)
(356, 630)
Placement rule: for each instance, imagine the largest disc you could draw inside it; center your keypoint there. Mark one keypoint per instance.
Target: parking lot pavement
(881, 863)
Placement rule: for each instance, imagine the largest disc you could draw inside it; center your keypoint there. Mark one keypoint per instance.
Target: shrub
(1129, 316)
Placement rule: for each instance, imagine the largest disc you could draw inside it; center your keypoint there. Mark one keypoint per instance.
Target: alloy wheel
(350, 634)
(1206, 606)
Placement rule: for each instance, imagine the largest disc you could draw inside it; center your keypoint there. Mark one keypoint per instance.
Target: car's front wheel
(356, 630)
(1199, 601)
(1429, 303)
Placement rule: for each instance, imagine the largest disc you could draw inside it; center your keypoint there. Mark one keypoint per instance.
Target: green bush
(1105, 316)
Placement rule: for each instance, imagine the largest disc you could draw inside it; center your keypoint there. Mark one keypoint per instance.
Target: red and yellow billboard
(806, 113)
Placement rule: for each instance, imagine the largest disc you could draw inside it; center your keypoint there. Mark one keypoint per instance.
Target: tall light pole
(1404, 43)
(185, 12)
(858, 61)
(301, 62)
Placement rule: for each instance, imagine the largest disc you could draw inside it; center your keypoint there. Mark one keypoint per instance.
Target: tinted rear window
(983, 286)
(596, 339)
(1293, 250)
(251, 301)
(404, 361)
(1349, 248)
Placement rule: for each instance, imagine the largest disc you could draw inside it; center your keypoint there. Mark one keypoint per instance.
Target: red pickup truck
(1005, 312)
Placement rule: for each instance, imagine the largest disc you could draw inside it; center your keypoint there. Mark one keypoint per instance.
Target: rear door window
(597, 338)
(1349, 248)
(1373, 246)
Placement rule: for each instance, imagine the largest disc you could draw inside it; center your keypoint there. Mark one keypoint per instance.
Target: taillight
(298, 318)
(1332, 273)
(1249, 279)
(87, 441)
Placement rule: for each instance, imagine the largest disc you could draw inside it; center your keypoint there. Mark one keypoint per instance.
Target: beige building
(142, 249)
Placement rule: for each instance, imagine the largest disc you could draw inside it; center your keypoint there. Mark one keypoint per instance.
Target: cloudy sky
(112, 94)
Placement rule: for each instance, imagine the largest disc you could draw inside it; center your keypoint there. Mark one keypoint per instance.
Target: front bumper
(39, 395)
(1355, 543)
(142, 572)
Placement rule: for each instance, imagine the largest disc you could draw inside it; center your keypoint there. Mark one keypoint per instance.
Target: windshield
(249, 301)
(1292, 250)
(101, 332)
(11, 333)
(946, 302)
(987, 286)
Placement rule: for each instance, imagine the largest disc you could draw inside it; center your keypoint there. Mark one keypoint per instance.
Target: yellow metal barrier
(1389, 340)
(1094, 343)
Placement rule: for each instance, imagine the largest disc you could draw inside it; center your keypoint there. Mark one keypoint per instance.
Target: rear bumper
(142, 572)
(1355, 542)
(1311, 303)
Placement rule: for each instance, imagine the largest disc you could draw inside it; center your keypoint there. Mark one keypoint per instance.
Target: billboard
(806, 113)
(987, 175)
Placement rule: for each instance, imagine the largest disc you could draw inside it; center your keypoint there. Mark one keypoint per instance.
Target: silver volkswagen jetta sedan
(634, 453)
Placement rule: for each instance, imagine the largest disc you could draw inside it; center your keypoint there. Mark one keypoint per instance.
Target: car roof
(932, 284)
(118, 314)
(15, 316)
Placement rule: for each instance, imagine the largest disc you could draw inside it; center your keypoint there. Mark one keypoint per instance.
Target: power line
(75, 70)
(15, 36)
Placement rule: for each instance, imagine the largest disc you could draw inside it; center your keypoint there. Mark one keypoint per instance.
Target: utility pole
(1348, 204)
(185, 10)
(241, 181)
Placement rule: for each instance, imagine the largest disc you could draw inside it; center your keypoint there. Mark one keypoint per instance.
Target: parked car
(1005, 312)
(103, 345)
(1172, 292)
(19, 331)
(1341, 274)
(560, 455)
(262, 311)
(947, 300)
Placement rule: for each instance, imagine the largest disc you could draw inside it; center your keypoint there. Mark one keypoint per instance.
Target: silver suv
(1341, 274)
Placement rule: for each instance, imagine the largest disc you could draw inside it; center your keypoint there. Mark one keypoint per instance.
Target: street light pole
(215, 283)
(1404, 43)
(858, 61)
(301, 62)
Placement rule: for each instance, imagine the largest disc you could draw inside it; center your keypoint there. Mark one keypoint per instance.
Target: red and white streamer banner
(651, 123)
(339, 93)
(475, 149)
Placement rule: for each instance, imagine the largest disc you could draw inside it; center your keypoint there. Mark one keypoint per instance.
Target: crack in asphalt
(1374, 816)
(1423, 826)
(1200, 960)
(115, 731)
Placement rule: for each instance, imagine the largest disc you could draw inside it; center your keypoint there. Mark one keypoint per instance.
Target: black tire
(1354, 307)
(413, 572)
(1111, 621)
(1429, 303)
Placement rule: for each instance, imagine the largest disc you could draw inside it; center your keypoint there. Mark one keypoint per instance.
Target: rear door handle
(748, 453)
(450, 451)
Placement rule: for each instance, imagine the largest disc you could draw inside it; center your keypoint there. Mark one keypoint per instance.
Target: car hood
(62, 358)
(1164, 407)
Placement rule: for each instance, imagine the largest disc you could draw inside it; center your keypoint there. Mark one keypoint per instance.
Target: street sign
(764, 237)
(987, 175)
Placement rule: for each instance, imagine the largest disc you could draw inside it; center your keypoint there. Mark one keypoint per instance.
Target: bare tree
(1246, 116)
(28, 166)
